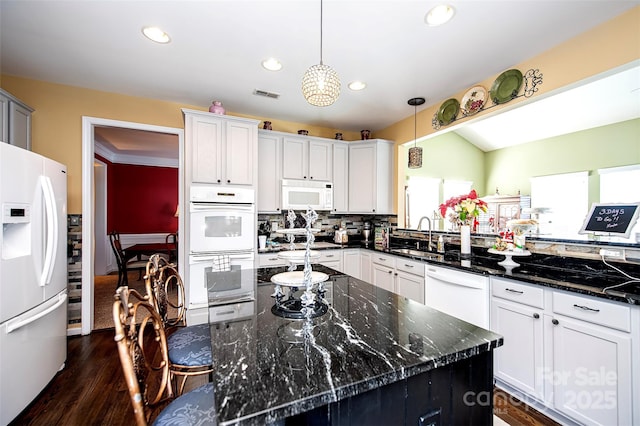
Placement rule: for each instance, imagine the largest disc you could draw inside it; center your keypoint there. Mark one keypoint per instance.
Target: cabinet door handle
(329, 255)
(408, 266)
(536, 316)
(391, 272)
(555, 321)
(219, 181)
(395, 273)
(228, 180)
(585, 308)
(273, 258)
(510, 290)
(382, 260)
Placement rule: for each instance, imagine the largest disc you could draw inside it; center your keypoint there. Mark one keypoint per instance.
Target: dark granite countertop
(267, 368)
(585, 276)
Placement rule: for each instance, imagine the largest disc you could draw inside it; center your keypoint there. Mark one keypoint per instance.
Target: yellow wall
(608, 46)
(57, 120)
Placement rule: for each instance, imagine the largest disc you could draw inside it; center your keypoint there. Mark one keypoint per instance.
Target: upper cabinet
(15, 121)
(269, 171)
(340, 177)
(304, 158)
(221, 149)
(371, 177)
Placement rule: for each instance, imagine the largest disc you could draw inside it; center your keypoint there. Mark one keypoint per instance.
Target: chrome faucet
(430, 244)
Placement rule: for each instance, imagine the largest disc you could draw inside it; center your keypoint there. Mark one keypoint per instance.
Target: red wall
(141, 199)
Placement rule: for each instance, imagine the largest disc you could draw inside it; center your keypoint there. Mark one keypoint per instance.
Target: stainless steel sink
(417, 253)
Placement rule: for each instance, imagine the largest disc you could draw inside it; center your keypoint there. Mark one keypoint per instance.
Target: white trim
(630, 168)
(88, 125)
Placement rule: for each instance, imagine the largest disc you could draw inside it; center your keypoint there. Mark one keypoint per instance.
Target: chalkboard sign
(611, 219)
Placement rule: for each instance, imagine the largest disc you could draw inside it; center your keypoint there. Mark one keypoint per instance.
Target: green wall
(450, 156)
(614, 145)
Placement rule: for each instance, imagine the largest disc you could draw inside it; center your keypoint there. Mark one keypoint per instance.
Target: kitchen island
(373, 358)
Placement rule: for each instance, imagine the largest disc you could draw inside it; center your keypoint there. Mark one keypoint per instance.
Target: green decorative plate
(448, 111)
(506, 86)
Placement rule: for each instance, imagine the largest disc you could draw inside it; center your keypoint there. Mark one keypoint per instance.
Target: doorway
(89, 219)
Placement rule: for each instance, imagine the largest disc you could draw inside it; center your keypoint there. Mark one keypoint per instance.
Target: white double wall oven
(222, 240)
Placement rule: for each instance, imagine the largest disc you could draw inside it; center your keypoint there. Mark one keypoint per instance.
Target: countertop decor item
(506, 86)
(448, 111)
(415, 153)
(465, 240)
(216, 107)
(339, 136)
(365, 134)
(463, 209)
(303, 132)
(474, 100)
(267, 125)
(320, 83)
(508, 262)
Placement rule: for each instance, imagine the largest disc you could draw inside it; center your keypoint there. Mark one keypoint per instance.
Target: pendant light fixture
(320, 83)
(415, 153)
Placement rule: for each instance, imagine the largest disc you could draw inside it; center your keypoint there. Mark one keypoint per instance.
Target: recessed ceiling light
(439, 15)
(357, 85)
(272, 64)
(156, 34)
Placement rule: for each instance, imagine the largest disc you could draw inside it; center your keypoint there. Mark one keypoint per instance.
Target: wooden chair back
(165, 289)
(116, 245)
(142, 347)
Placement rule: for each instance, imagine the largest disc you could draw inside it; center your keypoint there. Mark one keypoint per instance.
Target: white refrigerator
(33, 276)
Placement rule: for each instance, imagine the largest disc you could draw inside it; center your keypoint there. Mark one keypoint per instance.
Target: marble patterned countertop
(269, 368)
(585, 276)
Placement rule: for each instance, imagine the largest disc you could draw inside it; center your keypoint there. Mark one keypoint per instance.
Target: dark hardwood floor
(90, 390)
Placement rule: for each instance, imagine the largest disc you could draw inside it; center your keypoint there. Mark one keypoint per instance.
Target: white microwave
(302, 194)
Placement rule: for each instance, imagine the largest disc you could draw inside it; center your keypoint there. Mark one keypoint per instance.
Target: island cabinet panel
(460, 393)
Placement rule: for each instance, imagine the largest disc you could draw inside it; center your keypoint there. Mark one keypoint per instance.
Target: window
(422, 199)
(620, 185)
(569, 206)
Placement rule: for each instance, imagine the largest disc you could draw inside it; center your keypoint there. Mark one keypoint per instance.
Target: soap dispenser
(440, 244)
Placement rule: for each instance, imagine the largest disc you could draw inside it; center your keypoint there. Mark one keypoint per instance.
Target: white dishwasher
(461, 294)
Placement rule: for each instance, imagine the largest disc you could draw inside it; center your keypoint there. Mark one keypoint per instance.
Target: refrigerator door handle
(52, 230)
(13, 326)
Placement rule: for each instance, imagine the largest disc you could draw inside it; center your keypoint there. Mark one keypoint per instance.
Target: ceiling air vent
(266, 94)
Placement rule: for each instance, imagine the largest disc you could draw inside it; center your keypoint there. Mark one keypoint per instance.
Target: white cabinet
(517, 314)
(304, 158)
(399, 275)
(351, 262)
(410, 279)
(591, 358)
(15, 121)
(570, 354)
(222, 149)
(340, 177)
(266, 260)
(331, 259)
(269, 172)
(371, 177)
(365, 266)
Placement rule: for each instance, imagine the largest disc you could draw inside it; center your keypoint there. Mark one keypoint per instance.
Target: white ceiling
(217, 47)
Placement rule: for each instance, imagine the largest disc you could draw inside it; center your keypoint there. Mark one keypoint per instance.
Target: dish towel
(221, 263)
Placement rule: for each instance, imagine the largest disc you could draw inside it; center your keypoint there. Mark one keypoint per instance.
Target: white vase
(465, 239)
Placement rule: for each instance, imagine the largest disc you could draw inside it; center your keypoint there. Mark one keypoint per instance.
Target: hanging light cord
(320, 32)
(415, 124)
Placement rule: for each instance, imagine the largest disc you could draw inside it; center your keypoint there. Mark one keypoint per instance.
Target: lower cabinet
(331, 259)
(399, 275)
(351, 262)
(365, 266)
(570, 353)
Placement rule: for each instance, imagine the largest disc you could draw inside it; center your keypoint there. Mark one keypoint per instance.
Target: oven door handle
(213, 207)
